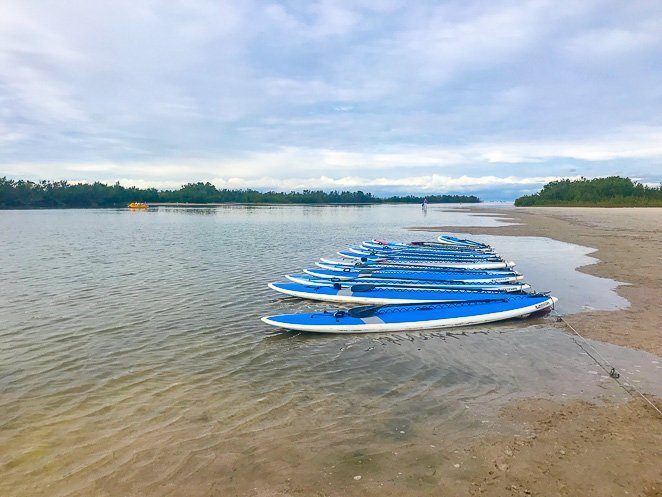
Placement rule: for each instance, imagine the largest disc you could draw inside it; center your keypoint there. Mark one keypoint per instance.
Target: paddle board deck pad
(329, 263)
(416, 317)
(370, 294)
(348, 273)
(305, 279)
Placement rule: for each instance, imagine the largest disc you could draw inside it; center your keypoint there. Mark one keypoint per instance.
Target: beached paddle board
(348, 273)
(461, 242)
(431, 264)
(415, 252)
(306, 279)
(354, 253)
(423, 246)
(370, 294)
(414, 317)
(433, 245)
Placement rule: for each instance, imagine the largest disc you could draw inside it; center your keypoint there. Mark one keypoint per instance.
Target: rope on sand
(613, 373)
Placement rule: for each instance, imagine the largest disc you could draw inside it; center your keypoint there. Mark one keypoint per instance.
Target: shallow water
(133, 361)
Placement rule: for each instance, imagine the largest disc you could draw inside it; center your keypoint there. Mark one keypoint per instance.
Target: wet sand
(629, 247)
(580, 448)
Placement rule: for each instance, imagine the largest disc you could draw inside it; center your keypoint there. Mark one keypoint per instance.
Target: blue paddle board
(414, 317)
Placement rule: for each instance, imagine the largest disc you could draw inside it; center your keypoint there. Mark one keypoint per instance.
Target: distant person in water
(425, 202)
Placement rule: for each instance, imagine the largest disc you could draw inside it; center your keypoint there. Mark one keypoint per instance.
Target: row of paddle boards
(410, 286)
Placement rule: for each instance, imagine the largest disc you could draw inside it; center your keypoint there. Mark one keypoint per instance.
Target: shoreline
(575, 447)
(627, 246)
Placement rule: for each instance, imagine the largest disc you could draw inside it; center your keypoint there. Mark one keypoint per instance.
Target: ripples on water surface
(133, 361)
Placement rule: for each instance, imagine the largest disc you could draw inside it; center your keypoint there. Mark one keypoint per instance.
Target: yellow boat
(138, 205)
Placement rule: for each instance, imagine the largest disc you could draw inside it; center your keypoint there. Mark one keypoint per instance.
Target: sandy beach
(579, 448)
(628, 243)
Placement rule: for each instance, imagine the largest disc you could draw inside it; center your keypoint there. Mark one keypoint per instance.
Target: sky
(488, 97)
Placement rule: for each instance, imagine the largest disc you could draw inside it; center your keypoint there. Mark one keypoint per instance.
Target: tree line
(20, 194)
(613, 191)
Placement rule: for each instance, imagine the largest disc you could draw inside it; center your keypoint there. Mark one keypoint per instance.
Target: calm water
(133, 361)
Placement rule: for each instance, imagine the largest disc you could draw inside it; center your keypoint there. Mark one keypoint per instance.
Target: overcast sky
(485, 96)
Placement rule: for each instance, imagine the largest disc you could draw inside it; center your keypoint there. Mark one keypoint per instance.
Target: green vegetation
(433, 199)
(613, 191)
(48, 194)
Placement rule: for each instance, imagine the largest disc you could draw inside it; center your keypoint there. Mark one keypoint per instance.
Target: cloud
(316, 19)
(432, 184)
(383, 167)
(167, 92)
(30, 90)
(615, 42)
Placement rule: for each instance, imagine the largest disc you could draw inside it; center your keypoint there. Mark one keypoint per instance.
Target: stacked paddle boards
(410, 286)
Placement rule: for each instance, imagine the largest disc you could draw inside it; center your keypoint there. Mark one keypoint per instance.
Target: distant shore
(236, 204)
(17, 194)
(181, 204)
(611, 191)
